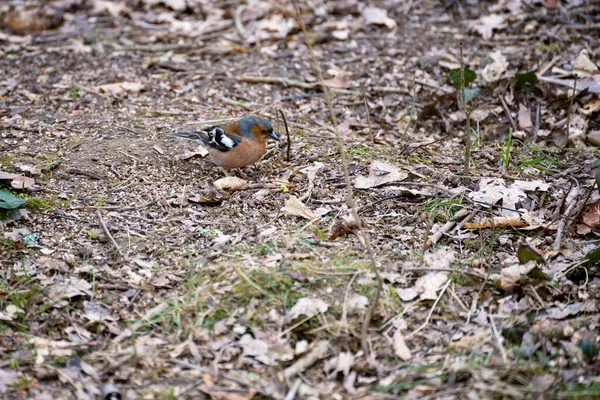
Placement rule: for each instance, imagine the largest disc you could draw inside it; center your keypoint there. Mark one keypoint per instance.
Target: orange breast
(246, 153)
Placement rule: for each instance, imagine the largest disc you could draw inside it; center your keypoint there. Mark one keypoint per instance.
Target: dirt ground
(126, 273)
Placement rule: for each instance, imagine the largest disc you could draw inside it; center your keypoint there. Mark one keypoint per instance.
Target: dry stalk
(467, 112)
(327, 94)
(287, 132)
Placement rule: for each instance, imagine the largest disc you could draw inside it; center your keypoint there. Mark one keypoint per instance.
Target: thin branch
(467, 112)
(349, 193)
(108, 234)
(287, 133)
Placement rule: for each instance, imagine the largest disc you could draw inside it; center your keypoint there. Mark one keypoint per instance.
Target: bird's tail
(198, 136)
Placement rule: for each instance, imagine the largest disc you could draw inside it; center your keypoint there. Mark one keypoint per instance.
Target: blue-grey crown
(248, 121)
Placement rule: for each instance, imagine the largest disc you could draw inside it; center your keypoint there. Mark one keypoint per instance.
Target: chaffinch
(235, 144)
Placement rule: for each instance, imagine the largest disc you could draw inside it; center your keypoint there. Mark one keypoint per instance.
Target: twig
(349, 194)
(291, 394)
(536, 127)
(447, 227)
(507, 111)
(238, 22)
(315, 354)
(575, 76)
(287, 134)
(411, 116)
(368, 112)
(499, 339)
(563, 222)
(467, 112)
(107, 233)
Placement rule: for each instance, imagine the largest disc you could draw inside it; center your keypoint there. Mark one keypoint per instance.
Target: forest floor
(126, 272)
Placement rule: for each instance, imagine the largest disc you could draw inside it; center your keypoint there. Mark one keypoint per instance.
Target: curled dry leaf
(293, 206)
(120, 89)
(230, 183)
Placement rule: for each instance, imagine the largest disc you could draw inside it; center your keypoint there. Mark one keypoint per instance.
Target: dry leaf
(524, 117)
(485, 26)
(119, 89)
(379, 174)
(230, 183)
(307, 306)
(400, 347)
(583, 63)
(337, 82)
(293, 206)
(199, 151)
(509, 276)
(591, 214)
(18, 181)
(378, 16)
(494, 70)
(430, 283)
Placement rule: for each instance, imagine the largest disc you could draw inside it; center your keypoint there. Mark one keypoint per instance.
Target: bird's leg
(226, 171)
(241, 174)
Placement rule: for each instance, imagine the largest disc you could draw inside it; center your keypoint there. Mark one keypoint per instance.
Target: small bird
(235, 144)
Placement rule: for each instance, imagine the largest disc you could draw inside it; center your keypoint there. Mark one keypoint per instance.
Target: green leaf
(527, 253)
(8, 201)
(523, 78)
(589, 349)
(454, 75)
(592, 258)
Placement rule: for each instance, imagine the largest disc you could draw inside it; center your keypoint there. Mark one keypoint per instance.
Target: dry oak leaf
(120, 89)
(379, 174)
(377, 16)
(230, 183)
(293, 206)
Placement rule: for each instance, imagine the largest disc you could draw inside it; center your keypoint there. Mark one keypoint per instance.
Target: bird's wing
(214, 137)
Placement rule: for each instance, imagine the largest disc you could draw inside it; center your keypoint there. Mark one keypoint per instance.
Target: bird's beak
(273, 135)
